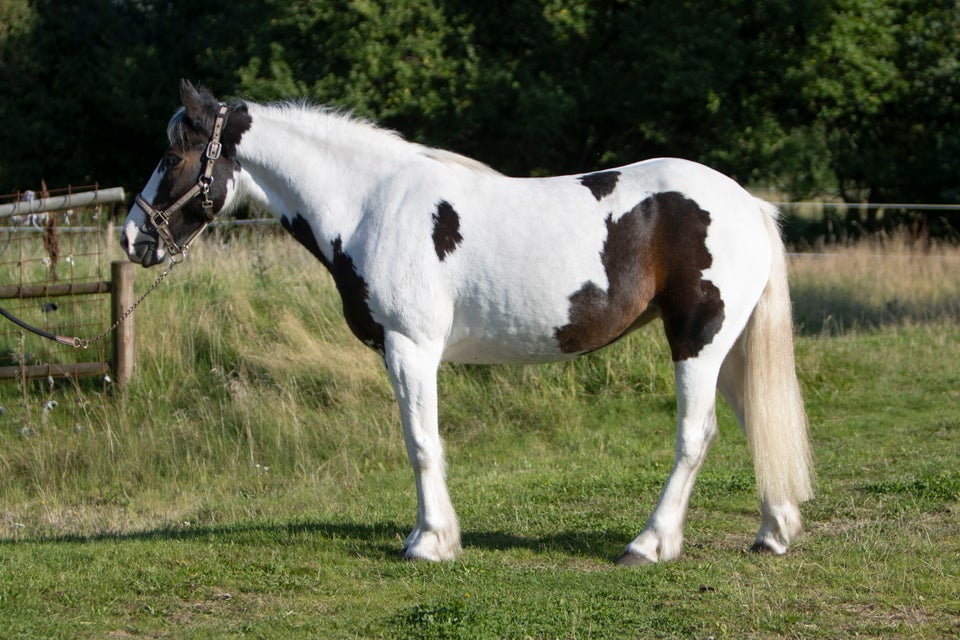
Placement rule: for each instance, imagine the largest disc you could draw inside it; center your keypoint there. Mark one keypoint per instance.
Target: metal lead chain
(84, 343)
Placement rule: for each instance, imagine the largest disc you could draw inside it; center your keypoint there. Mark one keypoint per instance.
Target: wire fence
(813, 226)
(54, 275)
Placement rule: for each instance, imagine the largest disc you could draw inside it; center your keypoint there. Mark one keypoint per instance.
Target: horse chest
(353, 288)
(354, 293)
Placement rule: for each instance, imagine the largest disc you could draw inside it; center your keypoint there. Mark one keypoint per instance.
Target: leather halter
(160, 219)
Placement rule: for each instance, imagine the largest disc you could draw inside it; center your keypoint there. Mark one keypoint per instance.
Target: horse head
(194, 181)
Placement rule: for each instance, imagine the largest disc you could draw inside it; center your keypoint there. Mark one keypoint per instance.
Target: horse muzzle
(141, 246)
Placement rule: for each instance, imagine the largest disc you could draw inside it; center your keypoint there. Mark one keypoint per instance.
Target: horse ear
(188, 93)
(200, 106)
(193, 101)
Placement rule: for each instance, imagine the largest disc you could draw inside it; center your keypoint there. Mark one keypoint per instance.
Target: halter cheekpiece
(160, 219)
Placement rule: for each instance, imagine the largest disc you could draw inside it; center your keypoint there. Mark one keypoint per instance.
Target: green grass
(252, 482)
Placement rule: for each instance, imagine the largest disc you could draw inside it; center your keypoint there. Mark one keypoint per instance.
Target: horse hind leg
(781, 520)
(662, 538)
(701, 339)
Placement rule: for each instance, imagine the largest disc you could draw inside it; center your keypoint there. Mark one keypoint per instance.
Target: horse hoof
(412, 554)
(628, 559)
(415, 558)
(766, 548)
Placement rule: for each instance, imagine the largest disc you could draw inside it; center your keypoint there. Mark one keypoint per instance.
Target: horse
(439, 258)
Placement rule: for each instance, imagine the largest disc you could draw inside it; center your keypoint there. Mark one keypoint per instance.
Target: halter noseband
(160, 219)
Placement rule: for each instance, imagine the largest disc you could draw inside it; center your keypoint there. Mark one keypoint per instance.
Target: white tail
(775, 420)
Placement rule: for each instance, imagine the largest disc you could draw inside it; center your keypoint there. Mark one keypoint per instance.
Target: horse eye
(171, 160)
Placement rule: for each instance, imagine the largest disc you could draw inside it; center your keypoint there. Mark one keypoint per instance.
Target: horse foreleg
(662, 538)
(413, 374)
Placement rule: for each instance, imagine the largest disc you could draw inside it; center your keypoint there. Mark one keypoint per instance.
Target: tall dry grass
(252, 399)
(246, 381)
(875, 283)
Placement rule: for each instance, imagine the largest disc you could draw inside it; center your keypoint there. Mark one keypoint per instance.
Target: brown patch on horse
(654, 257)
(601, 184)
(351, 285)
(446, 230)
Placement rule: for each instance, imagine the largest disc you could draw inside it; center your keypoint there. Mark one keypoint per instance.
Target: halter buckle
(214, 148)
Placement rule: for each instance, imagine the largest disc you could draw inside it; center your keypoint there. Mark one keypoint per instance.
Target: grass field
(252, 482)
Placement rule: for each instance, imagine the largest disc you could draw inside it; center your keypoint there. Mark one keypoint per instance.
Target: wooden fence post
(123, 274)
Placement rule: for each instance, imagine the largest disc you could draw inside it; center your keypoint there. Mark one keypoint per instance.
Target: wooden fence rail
(122, 295)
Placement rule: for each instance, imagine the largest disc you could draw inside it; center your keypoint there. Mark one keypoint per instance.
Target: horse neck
(320, 166)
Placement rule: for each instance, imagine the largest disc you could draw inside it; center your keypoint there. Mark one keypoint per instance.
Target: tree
(88, 84)
(850, 97)
(406, 63)
(73, 94)
(16, 23)
(881, 87)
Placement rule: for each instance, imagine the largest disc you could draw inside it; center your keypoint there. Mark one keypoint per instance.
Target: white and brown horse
(440, 258)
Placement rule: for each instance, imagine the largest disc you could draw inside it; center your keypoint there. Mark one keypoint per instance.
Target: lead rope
(84, 343)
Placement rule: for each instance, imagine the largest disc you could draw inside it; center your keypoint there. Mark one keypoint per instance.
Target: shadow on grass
(369, 540)
(834, 311)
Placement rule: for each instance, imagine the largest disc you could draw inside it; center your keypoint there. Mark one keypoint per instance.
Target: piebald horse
(438, 257)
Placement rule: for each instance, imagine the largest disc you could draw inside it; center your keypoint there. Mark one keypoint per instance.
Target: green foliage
(452, 618)
(935, 488)
(881, 83)
(15, 19)
(405, 63)
(856, 98)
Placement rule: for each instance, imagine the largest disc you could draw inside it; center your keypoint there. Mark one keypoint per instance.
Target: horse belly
(531, 322)
(515, 347)
(520, 344)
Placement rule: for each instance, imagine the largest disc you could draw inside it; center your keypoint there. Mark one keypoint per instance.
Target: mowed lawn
(252, 481)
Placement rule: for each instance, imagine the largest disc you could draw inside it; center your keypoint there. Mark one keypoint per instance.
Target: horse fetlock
(650, 547)
(782, 524)
(433, 546)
